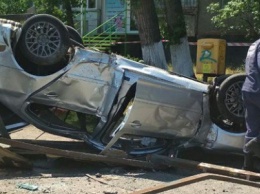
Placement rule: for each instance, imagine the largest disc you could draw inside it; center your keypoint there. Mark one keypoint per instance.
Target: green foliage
(171, 29)
(237, 15)
(14, 6)
(53, 7)
(133, 58)
(49, 7)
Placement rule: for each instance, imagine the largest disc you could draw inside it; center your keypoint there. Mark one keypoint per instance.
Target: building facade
(114, 16)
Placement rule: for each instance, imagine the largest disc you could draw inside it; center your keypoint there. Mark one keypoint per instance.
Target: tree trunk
(69, 13)
(149, 33)
(181, 59)
(179, 46)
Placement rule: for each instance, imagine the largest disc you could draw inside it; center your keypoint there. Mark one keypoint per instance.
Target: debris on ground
(140, 177)
(28, 186)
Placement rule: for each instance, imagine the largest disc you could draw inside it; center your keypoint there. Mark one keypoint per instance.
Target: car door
(164, 109)
(88, 87)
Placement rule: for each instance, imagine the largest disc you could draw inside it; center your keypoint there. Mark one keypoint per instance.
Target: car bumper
(219, 139)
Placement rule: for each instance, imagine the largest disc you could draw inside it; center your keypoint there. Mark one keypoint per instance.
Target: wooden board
(8, 158)
(159, 160)
(194, 179)
(77, 155)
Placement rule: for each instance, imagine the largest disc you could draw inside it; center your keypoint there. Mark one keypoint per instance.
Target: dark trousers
(252, 115)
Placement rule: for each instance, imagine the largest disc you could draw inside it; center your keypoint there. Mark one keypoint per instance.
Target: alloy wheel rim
(42, 39)
(233, 99)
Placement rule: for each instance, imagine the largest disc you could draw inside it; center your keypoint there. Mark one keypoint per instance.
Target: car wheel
(44, 40)
(74, 35)
(229, 98)
(215, 114)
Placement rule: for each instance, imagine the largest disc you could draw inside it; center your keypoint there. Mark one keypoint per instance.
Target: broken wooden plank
(8, 158)
(64, 145)
(159, 160)
(77, 155)
(194, 179)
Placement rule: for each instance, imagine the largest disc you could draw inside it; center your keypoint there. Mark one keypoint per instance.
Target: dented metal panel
(142, 70)
(16, 85)
(163, 108)
(89, 86)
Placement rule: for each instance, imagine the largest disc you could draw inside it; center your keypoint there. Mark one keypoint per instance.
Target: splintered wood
(8, 158)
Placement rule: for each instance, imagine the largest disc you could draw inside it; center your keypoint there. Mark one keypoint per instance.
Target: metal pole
(81, 19)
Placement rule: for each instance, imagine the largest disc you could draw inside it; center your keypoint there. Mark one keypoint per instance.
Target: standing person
(251, 98)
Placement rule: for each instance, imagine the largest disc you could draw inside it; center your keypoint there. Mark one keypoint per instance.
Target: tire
(215, 114)
(74, 35)
(229, 98)
(44, 40)
(218, 80)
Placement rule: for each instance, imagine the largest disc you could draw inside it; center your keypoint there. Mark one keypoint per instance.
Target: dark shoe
(253, 146)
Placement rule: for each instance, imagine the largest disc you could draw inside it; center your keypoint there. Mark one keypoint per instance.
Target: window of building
(189, 3)
(91, 4)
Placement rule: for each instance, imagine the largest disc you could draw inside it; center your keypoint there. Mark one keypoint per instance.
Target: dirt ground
(52, 175)
(113, 180)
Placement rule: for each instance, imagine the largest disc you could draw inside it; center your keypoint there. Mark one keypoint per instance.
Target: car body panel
(160, 104)
(89, 86)
(220, 139)
(176, 114)
(151, 72)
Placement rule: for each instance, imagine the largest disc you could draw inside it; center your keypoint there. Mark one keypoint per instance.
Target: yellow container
(211, 56)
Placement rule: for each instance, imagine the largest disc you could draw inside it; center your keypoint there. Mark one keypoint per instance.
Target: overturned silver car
(48, 79)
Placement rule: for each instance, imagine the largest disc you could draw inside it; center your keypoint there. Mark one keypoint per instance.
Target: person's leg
(248, 162)
(252, 119)
(253, 146)
(252, 115)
